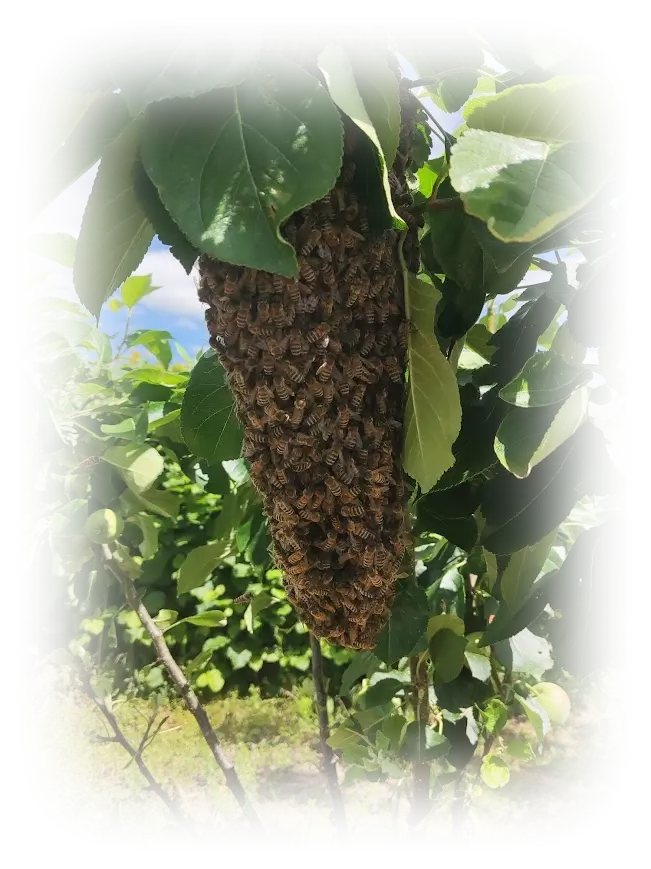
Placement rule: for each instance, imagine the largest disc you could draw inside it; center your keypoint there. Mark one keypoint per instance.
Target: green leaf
(525, 653)
(166, 618)
(433, 412)
(232, 165)
(445, 622)
(56, 246)
(157, 341)
(149, 544)
(344, 737)
(422, 743)
(382, 691)
(177, 64)
(115, 233)
(519, 513)
(527, 436)
(520, 749)
(449, 513)
(259, 602)
(505, 36)
(199, 565)
(545, 379)
(164, 226)
(480, 666)
(104, 120)
(440, 48)
(135, 288)
(208, 422)
(406, 624)
(494, 771)
(211, 679)
(537, 716)
(362, 664)
(132, 428)
(522, 571)
(447, 650)
(521, 188)
(566, 52)
(158, 501)
(207, 619)
(156, 376)
(601, 311)
(495, 715)
(594, 591)
(139, 466)
(367, 91)
(75, 62)
(557, 110)
(516, 341)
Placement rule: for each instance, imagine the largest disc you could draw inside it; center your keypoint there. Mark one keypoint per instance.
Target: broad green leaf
(208, 422)
(520, 749)
(447, 622)
(545, 379)
(56, 246)
(161, 502)
(363, 664)
(559, 110)
(594, 591)
(115, 233)
(166, 618)
(433, 413)
(230, 166)
(382, 691)
(207, 619)
(178, 64)
(522, 571)
(447, 650)
(211, 679)
(442, 49)
(199, 565)
(157, 341)
(495, 715)
(103, 122)
(139, 466)
(259, 602)
(367, 91)
(73, 61)
(531, 654)
(149, 544)
(527, 436)
(565, 52)
(521, 188)
(601, 311)
(423, 743)
(157, 376)
(519, 513)
(537, 716)
(494, 771)
(162, 425)
(516, 340)
(505, 37)
(344, 737)
(132, 428)
(167, 231)
(406, 624)
(480, 666)
(136, 288)
(449, 513)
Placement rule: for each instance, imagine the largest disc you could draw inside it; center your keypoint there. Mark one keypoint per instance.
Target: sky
(174, 306)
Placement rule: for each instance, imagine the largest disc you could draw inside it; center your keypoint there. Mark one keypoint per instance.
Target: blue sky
(175, 306)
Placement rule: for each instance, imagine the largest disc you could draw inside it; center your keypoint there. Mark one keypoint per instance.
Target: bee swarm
(316, 365)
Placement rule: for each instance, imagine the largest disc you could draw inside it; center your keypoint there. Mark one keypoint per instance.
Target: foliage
(508, 467)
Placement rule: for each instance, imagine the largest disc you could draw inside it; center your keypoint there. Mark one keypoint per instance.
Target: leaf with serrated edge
(522, 570)
(231, 165)
(115, 233)
(593, 591)
(178, 57)
(433, 412)
(208, 422)
(521, 188)
(559, 110)
(357, 102)
(199, 565)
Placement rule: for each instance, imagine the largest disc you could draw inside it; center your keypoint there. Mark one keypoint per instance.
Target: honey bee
(281, 389)
(277, 314)
(302, 466)
(329, 543)
(358, 397)
(243, 598)
(381, 558)
(282, 476)
(277, 415)
(352, 510)
(295, 557)
(328, 233)
(295, 343)
(343, 417)
(256, 421)
(293, 373)
(238, 379)
(393, 369)
(362, 454)
(367, 345)
(307, 271)
(381, 402)
(310, 243)
(263, 313)
(231, 286)
(297, 412)
(317, 334)
(314, 416)
(281, 446)
(330, 456)
(278, 283)
(277, 348)
(315, 388)
(328, 273)
(268, 363)
(377, 477)
(310, 303)
(368, 557)
(359, 530)
(263, 396)
(305, 440)
(369, 313)
(294, 292)
(328, 394)
(333, 485)
(243, 316)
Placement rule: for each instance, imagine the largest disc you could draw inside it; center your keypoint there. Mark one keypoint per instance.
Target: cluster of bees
(316, 365)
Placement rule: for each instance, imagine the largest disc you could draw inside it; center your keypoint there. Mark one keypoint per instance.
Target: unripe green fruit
(102, 526)
(553, 700)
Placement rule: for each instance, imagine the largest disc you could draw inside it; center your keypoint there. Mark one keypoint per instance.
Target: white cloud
(178, 291)
(67, 210)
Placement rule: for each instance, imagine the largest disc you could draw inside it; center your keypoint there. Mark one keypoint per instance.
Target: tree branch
(179, 679)
(420, 768)
(327, 754)
(120, 738)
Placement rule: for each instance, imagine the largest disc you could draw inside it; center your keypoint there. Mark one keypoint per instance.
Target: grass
(274, 745)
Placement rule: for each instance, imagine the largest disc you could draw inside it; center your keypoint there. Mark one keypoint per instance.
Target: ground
(274, 746)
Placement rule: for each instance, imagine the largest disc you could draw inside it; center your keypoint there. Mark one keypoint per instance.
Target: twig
(420, 768)
(179, 679)
(329, 766)
(624, 753)
(121, 739)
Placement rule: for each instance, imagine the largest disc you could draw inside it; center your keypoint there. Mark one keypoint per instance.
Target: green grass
(77, 782)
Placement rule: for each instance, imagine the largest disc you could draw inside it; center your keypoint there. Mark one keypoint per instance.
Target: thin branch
(420, 768)
(329, 765)
(121, 739)
(447, 138)
(624, 753)
(179, 679)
